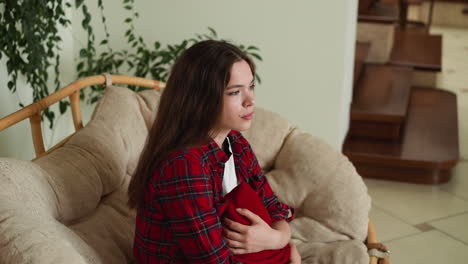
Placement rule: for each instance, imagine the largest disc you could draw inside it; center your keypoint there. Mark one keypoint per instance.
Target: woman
(194, 155)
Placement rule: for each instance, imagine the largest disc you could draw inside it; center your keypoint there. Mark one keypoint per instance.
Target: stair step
(362, 49)
(364, 5)
(380, 102)
(378, 12)
(429, 147)
(409, 2)
(418, 50)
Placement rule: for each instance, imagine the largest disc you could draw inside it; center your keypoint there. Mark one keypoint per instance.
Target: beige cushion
(70, 206)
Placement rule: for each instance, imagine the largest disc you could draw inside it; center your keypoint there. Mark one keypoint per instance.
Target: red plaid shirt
(180, 223)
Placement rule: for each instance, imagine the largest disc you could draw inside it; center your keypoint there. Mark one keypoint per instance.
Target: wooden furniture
(362, 49)
(380, 105)
(377, 12)
(403, 4)
(421, 51)
(365, 5)
(399, 131)
(72, 91)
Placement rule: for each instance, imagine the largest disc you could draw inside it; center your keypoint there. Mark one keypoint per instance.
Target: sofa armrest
(323, 186)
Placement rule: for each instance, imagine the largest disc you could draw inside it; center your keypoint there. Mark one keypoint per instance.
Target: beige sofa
(69, 206)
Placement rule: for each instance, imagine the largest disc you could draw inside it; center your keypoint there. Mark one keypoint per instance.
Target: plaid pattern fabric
(180, 221)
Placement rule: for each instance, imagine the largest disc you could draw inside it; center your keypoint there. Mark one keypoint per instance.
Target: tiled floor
(429, 224)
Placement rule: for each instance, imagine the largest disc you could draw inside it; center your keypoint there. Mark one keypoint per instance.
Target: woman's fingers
(250, 215)
(237, 251)
(295, 257)
(234, 244)
(233, 235)
(235, 226)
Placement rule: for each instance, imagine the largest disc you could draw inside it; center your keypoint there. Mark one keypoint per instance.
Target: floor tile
(432, 247)
(456, 226)
(388, 227)
(424, 227)
(458, 185)
(414, 203)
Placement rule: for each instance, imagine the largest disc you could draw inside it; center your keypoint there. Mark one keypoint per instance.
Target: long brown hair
(190, 106)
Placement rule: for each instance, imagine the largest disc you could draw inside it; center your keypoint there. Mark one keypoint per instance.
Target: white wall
(307, 47)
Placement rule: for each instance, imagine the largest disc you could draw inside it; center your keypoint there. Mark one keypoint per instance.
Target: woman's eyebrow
(238, 85)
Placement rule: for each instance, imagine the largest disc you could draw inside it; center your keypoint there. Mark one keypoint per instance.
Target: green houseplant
(30, 42)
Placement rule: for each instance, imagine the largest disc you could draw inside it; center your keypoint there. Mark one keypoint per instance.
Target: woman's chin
(243, 127)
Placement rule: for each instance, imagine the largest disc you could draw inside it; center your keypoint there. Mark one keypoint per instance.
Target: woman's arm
(257, 236)
(282, 227)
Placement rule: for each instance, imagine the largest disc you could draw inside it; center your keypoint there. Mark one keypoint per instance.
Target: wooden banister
(34, 110)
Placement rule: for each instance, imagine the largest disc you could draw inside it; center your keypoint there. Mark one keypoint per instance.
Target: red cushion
(243, 196)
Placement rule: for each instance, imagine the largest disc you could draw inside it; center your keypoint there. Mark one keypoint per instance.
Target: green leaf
(212, 31)
(252, 48)
(10, 85)
(128, 20)
(83, 53)
(78, 3)
(80, 66)
(118, 63)
(62, 107)
(157, 45)
(103, 42)
(256, 56)
(257, 77)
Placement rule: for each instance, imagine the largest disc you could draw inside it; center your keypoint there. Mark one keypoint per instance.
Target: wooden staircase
(399, 131)
(380, 102)
(418, 50)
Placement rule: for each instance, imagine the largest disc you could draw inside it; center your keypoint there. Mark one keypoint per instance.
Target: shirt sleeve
(187, 200)
(277, 210)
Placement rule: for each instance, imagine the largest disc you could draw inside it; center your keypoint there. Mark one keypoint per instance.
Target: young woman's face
(238, 99)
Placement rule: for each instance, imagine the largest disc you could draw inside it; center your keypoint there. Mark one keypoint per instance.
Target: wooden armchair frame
(34, 112)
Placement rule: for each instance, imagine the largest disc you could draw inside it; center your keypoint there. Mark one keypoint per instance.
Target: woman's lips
(248, 116)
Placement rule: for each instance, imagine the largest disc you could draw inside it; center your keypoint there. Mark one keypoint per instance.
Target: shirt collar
(215, 153)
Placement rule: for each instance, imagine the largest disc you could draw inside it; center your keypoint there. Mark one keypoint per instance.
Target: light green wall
(307, 47)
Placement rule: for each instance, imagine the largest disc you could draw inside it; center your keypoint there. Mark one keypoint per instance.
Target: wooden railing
(34, 110)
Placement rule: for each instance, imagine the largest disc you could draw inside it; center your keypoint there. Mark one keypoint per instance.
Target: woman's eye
(234, 93)
(252, 86)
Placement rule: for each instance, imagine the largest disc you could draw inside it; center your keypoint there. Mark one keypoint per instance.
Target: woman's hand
(252, 238)
(295, 257)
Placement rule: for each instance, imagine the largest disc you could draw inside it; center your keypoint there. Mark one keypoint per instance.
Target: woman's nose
(249, 99)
